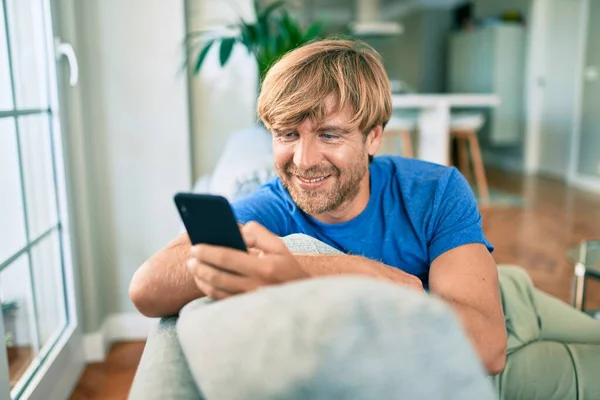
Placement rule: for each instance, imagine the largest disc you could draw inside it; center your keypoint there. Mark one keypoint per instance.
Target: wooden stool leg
(479, 168)
(407, 148)
(463, 158)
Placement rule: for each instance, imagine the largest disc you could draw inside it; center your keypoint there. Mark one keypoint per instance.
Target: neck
(351, 208)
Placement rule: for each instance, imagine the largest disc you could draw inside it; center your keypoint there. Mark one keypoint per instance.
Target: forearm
(324, 265)
(163, 284)
(487, 334)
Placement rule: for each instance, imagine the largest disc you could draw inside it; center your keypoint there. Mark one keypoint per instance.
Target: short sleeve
(265, 206)
(456, 220)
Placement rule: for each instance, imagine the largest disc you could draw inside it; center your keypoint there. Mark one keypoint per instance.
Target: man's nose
(307, 154)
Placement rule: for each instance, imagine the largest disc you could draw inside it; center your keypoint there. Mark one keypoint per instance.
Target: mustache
(312, 172)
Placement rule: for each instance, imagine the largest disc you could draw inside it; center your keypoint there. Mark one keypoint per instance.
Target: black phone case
(209, 219)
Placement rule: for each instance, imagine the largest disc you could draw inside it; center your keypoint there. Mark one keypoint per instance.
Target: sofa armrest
(163, 372)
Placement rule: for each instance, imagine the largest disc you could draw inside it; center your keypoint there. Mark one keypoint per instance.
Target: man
(407, 221)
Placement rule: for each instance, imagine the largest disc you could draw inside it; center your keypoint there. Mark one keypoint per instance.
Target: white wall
(547, 78)
(222, 99)
(589, 142)
(134, 135)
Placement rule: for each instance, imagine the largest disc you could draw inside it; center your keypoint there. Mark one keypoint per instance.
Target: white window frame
(61, 359)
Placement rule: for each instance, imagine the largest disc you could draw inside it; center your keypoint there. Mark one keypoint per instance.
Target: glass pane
(40, 193)
(12, 224)
(18, 317)
(27, 42)
(48, 287)
(5, 86)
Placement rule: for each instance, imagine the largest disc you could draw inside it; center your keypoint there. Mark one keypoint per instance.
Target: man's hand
(221, 272)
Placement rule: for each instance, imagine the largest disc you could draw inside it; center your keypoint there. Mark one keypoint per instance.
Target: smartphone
(209, 219)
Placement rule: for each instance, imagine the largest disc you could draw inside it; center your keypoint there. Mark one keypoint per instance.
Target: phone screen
(209, 219)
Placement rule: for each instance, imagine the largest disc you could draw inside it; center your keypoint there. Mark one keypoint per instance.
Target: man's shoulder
(270, 206)
(411, 173)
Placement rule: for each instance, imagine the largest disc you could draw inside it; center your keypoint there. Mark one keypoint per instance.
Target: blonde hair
(297, 86)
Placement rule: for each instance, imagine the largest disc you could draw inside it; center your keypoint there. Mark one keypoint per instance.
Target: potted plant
(268, 38)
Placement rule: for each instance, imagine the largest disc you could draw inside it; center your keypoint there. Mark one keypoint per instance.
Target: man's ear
(374, 139)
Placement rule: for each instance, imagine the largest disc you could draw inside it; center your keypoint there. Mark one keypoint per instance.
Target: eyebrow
(333, 128)
(281, 132)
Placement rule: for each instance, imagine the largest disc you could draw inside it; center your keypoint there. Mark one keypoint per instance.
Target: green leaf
(293, 30)
(264, 63)
(280, 46)
(264, 22)
(284, 33)
(313, 31)
(250, 35)
(225, 51)
(246, 31)
(269, 9)
(262, 26)
(202, 56)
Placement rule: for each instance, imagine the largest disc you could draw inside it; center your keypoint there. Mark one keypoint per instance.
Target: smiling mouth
(312, 180)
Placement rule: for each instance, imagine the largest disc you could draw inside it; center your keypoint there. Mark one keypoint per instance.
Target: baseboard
(94, 346)
(587, 183)
(57, 377)
(121, 327)
(506, 163)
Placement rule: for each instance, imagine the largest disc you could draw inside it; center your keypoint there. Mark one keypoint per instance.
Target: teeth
(313, 180)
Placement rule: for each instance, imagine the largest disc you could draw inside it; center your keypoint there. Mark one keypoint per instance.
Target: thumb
(257, 236)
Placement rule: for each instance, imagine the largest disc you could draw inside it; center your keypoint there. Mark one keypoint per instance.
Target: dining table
(435, 117)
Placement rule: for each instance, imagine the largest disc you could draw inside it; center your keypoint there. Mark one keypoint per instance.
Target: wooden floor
(19, 358)
(538, 235)
(535, 236)
(110, 380)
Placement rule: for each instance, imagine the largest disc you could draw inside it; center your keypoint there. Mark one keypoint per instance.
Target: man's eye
(327, 136)
(289, 136)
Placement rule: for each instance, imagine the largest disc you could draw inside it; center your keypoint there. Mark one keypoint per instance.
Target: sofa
(553, 349)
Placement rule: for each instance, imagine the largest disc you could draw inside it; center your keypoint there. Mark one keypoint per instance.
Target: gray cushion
(330, 338)
(244, 165)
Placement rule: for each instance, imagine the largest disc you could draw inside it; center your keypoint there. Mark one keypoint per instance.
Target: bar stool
(463, 128)
(399, 128)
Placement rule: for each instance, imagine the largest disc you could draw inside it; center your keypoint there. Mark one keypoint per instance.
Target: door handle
(64, 49)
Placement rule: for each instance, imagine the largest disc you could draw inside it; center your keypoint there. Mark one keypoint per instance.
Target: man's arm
(163, 284)
(223, 272)
(467, 278)
(322, 265)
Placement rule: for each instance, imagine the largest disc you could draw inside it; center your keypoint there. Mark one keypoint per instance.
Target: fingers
(210, 291)
(254, 251)
(218, 282)
(257, 236)
(235, 261)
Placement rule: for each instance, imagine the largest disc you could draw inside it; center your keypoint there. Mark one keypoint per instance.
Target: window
(34, 256)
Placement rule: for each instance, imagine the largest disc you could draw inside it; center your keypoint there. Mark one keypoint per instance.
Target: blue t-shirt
(417, 211)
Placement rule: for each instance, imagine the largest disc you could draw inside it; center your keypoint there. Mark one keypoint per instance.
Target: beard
(342, 185)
